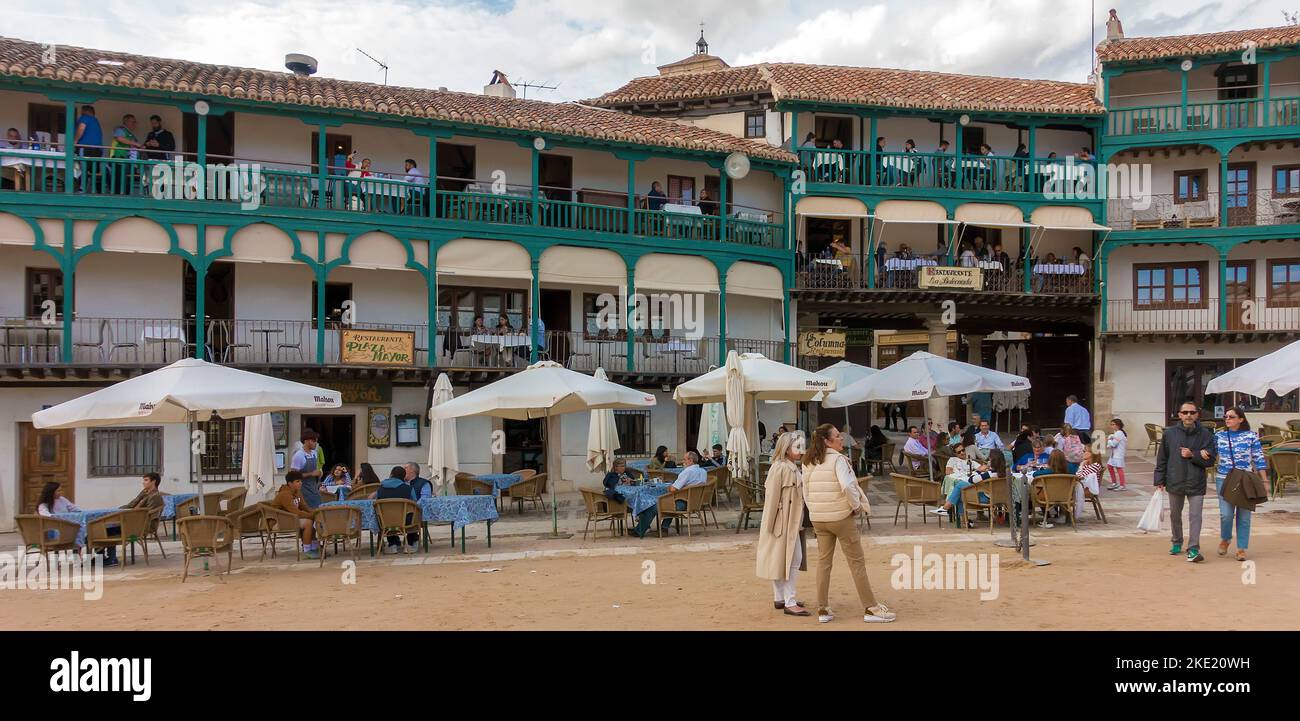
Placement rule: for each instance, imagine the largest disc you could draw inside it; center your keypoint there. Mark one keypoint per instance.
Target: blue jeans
(1227, 512)
(954, 497)
(647, 517)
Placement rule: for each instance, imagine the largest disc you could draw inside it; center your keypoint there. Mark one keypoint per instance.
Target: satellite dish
(201, 107)
(539, 143)
(737, 165)
(964, 119)
(1187, 65)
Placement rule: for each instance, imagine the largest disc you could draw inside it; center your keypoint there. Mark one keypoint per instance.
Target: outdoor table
(1061, 172)
(835, 262)
(459, 511)
(906, 165)
(642, 467)
(499, 481)
(266, 339)
(501, 342)
(339, 490)
(604, 348)
(642, 496)
(991, 265)
(1059, 269)
(27, 348)
(170, 502)
(908, 263)
(676, 348)
(83, 517)
(163, 334)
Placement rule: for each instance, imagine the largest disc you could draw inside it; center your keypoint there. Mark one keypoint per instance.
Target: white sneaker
(825, 616)
(940, 512)
(412, 548)
(1113, 487)
(389, 550)
(879, 613)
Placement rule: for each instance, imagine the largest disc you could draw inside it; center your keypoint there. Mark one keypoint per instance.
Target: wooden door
(47, 456)
(1239, 283)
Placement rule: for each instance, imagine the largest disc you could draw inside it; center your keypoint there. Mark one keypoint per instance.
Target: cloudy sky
(591, 46)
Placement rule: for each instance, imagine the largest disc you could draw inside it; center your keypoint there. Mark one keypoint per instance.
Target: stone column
(936, 409)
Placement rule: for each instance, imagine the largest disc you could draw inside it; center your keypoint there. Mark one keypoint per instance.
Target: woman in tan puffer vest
(833, 497)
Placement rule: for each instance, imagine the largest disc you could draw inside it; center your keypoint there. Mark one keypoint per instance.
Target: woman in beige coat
(780, 536)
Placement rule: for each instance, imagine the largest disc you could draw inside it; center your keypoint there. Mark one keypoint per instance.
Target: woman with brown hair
(780, 536)
(833, 497)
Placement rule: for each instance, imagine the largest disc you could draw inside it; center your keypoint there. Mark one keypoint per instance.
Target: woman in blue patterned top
(1238, 447)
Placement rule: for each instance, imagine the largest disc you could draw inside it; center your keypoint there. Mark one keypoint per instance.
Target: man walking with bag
(1187, 450)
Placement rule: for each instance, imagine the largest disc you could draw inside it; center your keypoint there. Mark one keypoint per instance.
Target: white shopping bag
(1150, 520)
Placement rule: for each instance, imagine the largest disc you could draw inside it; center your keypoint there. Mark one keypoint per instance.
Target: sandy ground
(1107, 583)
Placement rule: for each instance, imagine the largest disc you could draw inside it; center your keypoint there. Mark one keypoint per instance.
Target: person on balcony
(911, 166)
(417, 198)
(1000, 256)
(125, 147)
(945, 171)
(14, 141)
(968, 259)
(708, 206)
(885, 174)
(160, 140)
(656, 199)
(89, 140)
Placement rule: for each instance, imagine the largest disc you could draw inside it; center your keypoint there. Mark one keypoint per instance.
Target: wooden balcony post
(631, 196)
(1223, 188)
(722, 316)
(322, 163)
(1182, 118)
(69, 151)
(1223, 288)
(629, 313)
(431, 288)
(534, 310)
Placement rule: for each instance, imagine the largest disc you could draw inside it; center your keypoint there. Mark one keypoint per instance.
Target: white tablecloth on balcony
(162, 334)
(1061, 172)
(10, 157)
(683, 209)
(675, 346)
(510, 340)
(836, 262)
(906, 165)
(822, 160)
(908, 264)
(750, 216)
(1059, 269)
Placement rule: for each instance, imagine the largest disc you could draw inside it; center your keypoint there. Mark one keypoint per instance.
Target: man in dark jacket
(396, 486)
(1187, 450)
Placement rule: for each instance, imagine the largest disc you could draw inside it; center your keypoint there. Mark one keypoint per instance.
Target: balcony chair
(101, 328)
(221, 335)
(294, 329)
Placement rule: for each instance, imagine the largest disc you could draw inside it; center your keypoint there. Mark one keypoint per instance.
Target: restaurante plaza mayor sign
(376, 347)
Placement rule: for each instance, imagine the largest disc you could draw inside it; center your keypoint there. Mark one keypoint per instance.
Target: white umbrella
(602, 435)
(1278, 371)
(846, 373)
(542, 390)
(443, 460)
(187, 391)
(759, 379)
(924, 375)
(713, 427)
(258, 464)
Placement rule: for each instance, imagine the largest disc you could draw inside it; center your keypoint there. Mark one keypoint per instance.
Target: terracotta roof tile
(79, 65)
(865, 86)
(1179, 46)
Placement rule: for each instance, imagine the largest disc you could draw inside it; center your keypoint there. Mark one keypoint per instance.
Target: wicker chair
(1056, 489)
(133, 528)
(915, 464)
(338, 523)
(234, 499)
(1285, 467)
(206, 537)
(1153, 437)
(397, 516)
(362, 492)
(155, 522)
(722, 476)
(529, 491)
(247, 523)
(601, 509)
(705, 505)
(913, 491)
(667, 506)
(278, 523)
(183, 509)
(1268, 430)
(524, 474)
(998, 492)
(751, 502)
(46, 535)
(1294, 424)
(886, 460)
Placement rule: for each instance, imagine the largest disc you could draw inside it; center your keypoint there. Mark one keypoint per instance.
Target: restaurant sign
(376, 347)
(359, 392)
(950, 278)
(829, 344)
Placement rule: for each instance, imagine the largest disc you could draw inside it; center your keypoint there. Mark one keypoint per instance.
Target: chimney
(499, 86)
(301, 65)
(1114, 28)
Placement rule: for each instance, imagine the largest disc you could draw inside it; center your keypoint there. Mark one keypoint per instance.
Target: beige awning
(912, 211)
(992, 215)
(1065, 217)
(755, 279)
(684, 273)
(582, 266)
(831, 207)
(484, 258)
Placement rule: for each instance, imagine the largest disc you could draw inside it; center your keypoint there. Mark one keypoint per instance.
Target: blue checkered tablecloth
(170, 502)
(459, 511)
(641, 466)
(644, 496)
(499, 481)
(84, 517)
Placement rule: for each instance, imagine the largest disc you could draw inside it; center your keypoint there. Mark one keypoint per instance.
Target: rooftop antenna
(540, 86)
(376, 61)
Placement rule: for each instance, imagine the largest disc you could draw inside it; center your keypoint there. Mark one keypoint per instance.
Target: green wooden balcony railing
(992, 173)
(1221, 115)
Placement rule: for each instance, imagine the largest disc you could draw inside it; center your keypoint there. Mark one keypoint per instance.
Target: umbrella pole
(197, 465)
(550, 442)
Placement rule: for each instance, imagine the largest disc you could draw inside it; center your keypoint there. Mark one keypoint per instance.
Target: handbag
(1239, 486)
